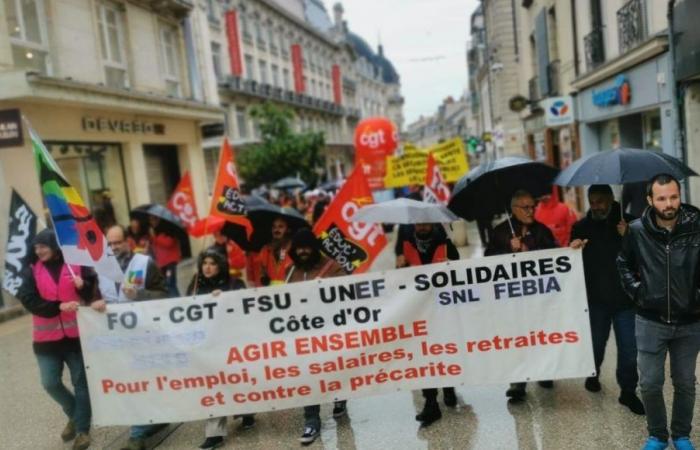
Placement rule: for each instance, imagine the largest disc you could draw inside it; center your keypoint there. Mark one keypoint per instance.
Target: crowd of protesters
(641, 279)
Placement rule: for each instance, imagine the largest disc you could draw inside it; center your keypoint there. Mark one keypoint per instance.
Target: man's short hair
(662, 178)
(602, 189)
(119, 227)
(520, 193)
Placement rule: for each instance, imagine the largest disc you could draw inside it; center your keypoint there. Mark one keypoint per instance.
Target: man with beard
(142, 281)
(310, 264)
(659, 265)
(521, 233)
(426, 243)
(274, 259)
(601, 231)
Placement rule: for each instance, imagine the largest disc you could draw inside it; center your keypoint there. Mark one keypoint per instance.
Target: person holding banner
(520, 233)
(52, 291)
(213, 278)
(142, 281)
(274, 258)
(600, 234)
(428, 244)
(659, 265)
(308, 264)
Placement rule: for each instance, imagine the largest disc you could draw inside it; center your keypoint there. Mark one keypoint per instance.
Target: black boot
(630, 400)
(449, 397)
(516, 392)
(431, 413)
(592, 384)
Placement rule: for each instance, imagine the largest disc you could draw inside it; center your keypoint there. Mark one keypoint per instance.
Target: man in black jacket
(602, 231)
(660, 266)
(521, 233)
(427, 243)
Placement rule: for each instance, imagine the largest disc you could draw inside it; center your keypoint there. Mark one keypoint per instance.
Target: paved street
(567, 417)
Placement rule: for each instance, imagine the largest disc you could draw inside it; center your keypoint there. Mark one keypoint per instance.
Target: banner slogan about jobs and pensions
(491, 320)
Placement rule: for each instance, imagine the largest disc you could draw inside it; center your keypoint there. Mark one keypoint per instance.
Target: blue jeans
(75, 405)
(681, 342)
(622, 323)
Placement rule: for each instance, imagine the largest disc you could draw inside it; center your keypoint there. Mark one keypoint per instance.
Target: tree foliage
(281, 152)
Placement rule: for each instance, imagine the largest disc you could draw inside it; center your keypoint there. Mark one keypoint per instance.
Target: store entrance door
(162, 170)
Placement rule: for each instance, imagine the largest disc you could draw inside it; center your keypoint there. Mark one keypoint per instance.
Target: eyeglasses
(525, 207)
(113, 243)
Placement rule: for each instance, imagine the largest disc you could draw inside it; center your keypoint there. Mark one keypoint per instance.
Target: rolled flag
(78, 235)
(21, 232)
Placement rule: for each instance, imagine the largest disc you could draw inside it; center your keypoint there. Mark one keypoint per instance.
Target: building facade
(452, 119)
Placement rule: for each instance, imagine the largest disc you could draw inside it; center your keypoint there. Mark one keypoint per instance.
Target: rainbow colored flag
(81, 240)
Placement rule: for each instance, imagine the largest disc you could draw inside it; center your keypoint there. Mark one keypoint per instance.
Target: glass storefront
(96, 171)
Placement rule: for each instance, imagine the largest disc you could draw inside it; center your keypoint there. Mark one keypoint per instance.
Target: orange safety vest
(413, 257)
(275, 270)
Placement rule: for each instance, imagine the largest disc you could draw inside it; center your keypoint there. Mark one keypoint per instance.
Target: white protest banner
(493, 320)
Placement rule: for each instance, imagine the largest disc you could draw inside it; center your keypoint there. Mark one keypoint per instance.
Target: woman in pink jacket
(52, 293)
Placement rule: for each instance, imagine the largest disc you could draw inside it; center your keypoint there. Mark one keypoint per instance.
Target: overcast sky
(424, 39)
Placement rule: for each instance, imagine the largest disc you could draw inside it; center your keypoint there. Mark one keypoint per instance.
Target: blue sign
(619, 94)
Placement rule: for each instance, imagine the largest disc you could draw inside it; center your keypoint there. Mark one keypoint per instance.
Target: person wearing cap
(52, 291)
(308, 263)
(427, 243)
(213, 278)
(521, 233)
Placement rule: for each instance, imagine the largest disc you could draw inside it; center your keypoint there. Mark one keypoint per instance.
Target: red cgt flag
(353, 245)
(436, 190)
(182, 202)
(226, 200)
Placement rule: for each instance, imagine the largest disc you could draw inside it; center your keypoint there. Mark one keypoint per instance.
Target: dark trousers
(622, 322)
(76, 404)
(681, 342)
(170, 273)
(312, 415)
(430, 395)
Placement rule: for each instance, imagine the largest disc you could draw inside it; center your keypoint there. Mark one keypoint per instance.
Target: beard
(600, 215)
(666, 214)
(307, 261)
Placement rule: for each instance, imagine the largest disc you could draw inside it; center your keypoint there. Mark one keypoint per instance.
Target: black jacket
(538, 237)
(660, 270)
(603, 284)
(439, 237)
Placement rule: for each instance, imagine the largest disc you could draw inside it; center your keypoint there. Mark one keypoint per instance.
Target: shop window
(96, 171)
(28, 36)
(112, 44)
(170, 54)
(651, 123)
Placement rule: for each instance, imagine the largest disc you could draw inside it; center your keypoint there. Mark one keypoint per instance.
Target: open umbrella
(289, 183)
(405, 211)
(262, 217)
(168, 219)
(622, 166)
(486, 190)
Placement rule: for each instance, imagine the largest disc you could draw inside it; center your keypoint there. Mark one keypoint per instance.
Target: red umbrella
(208, 225)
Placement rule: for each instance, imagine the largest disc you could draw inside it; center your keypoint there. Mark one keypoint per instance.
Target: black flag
(22, 230)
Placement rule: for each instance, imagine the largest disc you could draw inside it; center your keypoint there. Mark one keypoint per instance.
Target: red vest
(413, 257)
(275, 270)
(66, 323)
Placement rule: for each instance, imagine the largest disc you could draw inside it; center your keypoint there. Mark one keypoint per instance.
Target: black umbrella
(289, 183)
(485, 191)
(238, 232)
(159, 211)
(622, 166)
(262, 217)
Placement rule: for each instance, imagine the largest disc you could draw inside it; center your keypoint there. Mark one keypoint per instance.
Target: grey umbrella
(405, 211)
(622, 166)
(289, 183)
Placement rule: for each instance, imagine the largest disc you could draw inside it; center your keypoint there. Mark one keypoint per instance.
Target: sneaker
(212, 442)
(592, 384)
(68, 432)
(339, 409)
(449, 397)
(431, 413)
(81, 442)
(547, 384)
(248, 422)
(516, 392)
(630, 400)
(654, 443)
(310, 434)
(135, 444)
(683, 443)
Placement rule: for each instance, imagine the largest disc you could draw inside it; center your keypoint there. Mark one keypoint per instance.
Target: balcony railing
(533, 88)
(554, 78)
(632, 24)
(594, 48)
